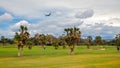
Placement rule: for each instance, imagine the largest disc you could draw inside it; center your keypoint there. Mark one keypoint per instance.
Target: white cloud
(16, 26)
(7, 34)
(114, 22)
(105, 28)
(84, 14)
(6, 17)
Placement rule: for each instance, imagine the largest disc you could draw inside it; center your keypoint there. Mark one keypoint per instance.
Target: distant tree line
(83, 41)
(72, 38)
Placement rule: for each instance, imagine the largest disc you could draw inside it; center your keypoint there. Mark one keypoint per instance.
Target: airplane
(48, 14)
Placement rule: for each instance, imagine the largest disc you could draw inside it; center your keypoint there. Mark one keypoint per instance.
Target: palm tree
(77, 35)
(72, 38)
(98, 40)
(21, 39)
(49, 39)
(76, 29)
(25, 28)
(43, 40)
(89, 38)
(55, 43)
(118, 41)
(36, 37)
(62, 41)
(3, 40)
(22, 28)
(18, 41)
(66, 30)
(29, 43)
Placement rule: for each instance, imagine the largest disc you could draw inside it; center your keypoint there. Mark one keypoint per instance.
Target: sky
(93, 17)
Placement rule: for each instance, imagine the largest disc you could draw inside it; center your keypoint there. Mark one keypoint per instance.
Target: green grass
(51, 58)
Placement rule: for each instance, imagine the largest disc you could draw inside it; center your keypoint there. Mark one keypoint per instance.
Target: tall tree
(3, 39)
(41, 39)
(118, 41)
(98, 40)
(62, 41)
(72, 38)
(21, 39)
(37, 39)
(22, 28)
(55, 43)
(89, 38)
(66, 30)
(50, 39)
(29, 43)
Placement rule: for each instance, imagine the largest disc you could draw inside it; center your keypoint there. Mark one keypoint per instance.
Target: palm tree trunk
(18, 50)
(118, 48)
(22, 51)
(88, 46)
(3, 44)
(43, 46)
(72, 49)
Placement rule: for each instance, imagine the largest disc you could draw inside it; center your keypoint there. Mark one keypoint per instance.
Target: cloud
(84, 14)
(54, 24)
(113, 22)
(7, 34)
(17, 25)
(6, 17)
(105, 28)
(54, 27)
